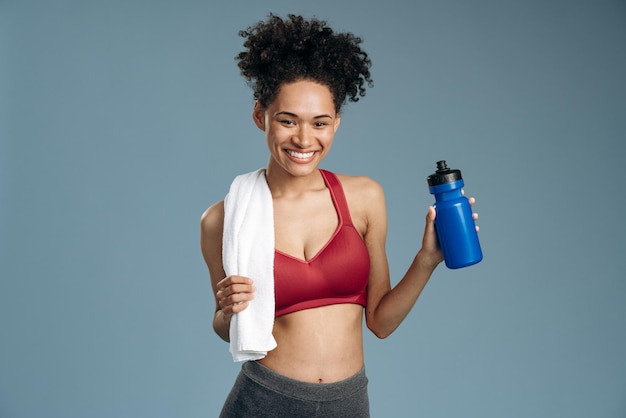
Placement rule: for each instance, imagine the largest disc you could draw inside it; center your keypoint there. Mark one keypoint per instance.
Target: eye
(288, 122)
(320, 124)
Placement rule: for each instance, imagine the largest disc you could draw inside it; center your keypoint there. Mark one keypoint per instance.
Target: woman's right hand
(234, 294)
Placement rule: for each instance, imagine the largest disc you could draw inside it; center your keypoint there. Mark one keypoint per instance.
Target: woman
(330, 265)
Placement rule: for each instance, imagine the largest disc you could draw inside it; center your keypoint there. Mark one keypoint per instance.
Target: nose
(303, 138)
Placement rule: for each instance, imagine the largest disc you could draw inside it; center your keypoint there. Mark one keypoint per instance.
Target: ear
(258, 116)
(337, 121)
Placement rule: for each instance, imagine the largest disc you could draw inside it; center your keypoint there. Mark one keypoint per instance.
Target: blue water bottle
(454, 223)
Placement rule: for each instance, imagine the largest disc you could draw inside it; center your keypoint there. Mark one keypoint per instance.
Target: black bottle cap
(443, 175)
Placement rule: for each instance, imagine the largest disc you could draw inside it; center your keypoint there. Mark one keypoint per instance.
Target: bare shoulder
(361, 188)
(212, 220)
(366, 201)
(211, 229)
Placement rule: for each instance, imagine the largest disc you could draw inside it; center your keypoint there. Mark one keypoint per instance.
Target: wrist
(428, 261)
(221, 324)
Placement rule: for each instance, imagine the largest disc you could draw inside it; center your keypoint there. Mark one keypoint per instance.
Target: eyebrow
(293, 115)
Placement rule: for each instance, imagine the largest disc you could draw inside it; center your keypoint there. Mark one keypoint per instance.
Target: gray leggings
(260, 392)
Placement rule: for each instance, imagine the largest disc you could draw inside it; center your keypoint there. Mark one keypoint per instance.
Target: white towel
(248, 250)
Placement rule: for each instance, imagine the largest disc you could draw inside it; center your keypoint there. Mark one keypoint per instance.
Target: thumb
(429, 229)
(430, 217)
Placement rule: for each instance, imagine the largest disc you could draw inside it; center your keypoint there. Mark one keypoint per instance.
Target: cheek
(328, 137)
(276, 137)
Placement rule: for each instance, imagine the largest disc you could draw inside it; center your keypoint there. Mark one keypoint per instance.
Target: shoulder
(361, 188)
(211, 229)
(212, 220)
(366, 201)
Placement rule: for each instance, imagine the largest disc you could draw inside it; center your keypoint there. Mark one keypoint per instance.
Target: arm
(386, 307)
(233, 293)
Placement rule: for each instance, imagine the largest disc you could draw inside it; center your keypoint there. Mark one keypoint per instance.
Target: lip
(299, 156)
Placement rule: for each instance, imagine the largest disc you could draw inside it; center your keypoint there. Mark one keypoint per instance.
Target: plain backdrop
(122, 121)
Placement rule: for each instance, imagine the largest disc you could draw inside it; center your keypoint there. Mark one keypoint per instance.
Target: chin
(302, 170)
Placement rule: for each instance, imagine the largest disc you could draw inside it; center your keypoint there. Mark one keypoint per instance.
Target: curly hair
(282, 51)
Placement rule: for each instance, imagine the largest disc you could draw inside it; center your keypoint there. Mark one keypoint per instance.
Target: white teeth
(301, 155)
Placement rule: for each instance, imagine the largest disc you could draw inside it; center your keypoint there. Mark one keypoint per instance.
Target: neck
(283, 184)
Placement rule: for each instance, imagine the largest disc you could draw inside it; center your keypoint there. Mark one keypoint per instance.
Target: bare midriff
(319, 345)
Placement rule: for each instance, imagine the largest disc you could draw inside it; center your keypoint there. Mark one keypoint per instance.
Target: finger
(475, 216)
(472, 200)
(238, 298)
(431, 215)
(238, 288)
(235, 308)
(235, 279)
(230, 280)
(239, 306)
(226, 296)
(235, 301)
(429, 228)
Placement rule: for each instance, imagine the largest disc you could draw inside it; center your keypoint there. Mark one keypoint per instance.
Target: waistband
(304, 390)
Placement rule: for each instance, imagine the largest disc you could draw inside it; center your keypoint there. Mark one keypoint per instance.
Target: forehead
(305, 96)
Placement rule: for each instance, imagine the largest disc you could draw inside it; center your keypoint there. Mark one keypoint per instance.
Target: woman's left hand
(431, 251)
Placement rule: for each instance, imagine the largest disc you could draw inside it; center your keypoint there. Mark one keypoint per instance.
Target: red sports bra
(338, 273)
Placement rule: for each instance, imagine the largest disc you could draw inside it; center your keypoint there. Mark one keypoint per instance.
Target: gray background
(121, 121)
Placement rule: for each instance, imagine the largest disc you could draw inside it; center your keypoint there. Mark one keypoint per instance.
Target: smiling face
(299, 127)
